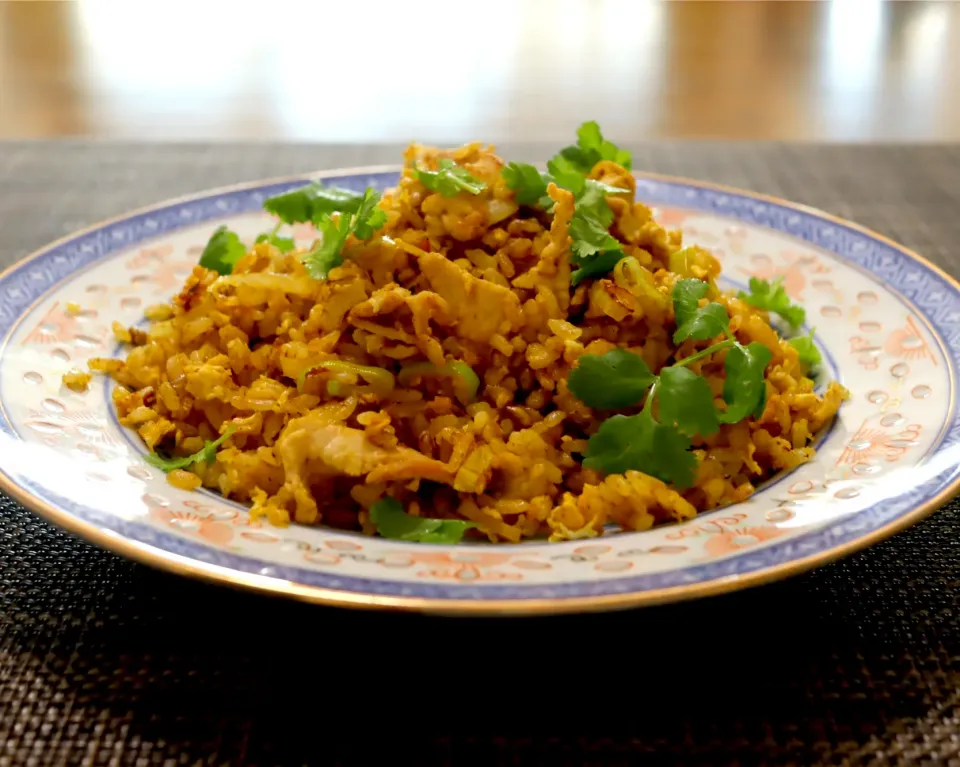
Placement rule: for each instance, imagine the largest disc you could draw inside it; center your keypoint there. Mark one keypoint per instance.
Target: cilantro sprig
(206, 454)
(528, 184)
(311, 202)
(283, 244)
(594, 251)
(327, 254)
(449, 179)
(592, 147)
(611, 381)
(359, 215)
(678, 404)
(773, 297)
(807, 348)
(392, 521)
(222, 251)
(695, 323)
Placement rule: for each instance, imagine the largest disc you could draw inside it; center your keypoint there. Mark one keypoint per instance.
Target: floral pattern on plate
(889, 326)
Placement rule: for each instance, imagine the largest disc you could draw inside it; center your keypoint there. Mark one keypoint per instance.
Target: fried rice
(331, 395)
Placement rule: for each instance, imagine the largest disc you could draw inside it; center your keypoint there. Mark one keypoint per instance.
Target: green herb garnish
(610, 381)
(283, 244)
(592, 147)
(590, 236)
(745, 390)
(694, 322)
(528, 184)
(223, 250)
(809, 353)
(308, 203)
(773, 297)
(449, 179)
(206, 454)
(677, 403)
(566, 175)
(637, 442)
(594, 251)
(363, 223)
(596, 267)
(685, 401)
(392, 521)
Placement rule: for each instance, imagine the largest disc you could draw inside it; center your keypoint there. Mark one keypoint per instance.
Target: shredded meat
(313, 447)
(481, 308)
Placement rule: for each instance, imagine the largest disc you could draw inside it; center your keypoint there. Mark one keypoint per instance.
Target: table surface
(104, 662)
(457, 70)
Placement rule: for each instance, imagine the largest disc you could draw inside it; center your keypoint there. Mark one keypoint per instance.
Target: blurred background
(496, 70)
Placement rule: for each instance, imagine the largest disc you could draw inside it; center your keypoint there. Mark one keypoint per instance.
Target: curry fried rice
(486, 350)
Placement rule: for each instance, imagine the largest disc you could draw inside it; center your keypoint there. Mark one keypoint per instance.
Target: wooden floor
(447, 70)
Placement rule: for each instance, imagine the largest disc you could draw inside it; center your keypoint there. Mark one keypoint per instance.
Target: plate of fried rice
(473, 385)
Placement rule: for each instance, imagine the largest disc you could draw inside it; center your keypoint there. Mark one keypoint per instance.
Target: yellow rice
(469, 279)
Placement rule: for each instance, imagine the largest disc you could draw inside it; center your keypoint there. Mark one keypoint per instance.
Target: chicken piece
(423, 307)
(427, 306)
(481, 308)
(553, 268)
(335, 300)
(314, 447)
(383, 301)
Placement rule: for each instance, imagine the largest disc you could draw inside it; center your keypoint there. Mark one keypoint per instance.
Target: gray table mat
(103, 662)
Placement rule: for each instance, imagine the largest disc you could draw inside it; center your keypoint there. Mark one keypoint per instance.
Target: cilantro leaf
(610, 381)
(745, 390)
(528, 183)
(327, 254)
(546, 203)
(593, 248)
(312, 201)
(637, 442)
(393, 522)
(566, 175)
(369, 216)
(809, 353)
(222, 251)
(206, 454)
(708, 322)
(686, 401)
(591, 148)
(596, 266)
(283, 244)
(590, 236)
(686, 298)
(694, 322)
(449, 179)
(773, 297)
(593, 201)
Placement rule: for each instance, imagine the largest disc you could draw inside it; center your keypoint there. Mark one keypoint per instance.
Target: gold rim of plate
(185, 566)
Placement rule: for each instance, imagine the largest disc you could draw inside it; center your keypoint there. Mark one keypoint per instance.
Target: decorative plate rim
(171, 561)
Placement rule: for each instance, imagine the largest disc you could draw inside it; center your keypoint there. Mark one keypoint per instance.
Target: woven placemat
(104, 662)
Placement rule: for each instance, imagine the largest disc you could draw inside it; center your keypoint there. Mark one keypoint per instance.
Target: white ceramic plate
(888, 322)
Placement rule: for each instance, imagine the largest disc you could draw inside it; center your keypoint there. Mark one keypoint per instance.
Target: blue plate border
(926, 288)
